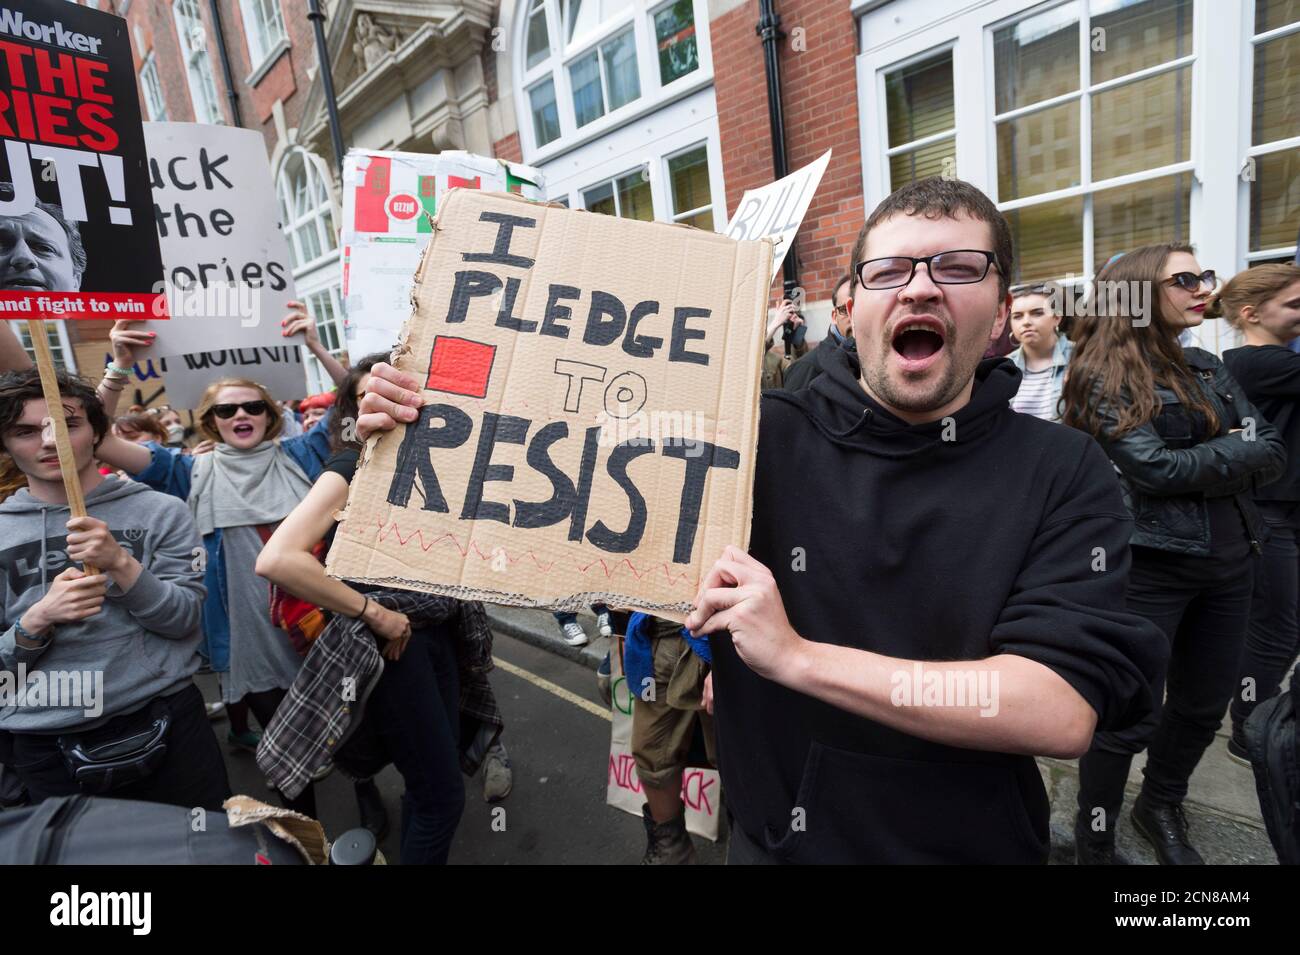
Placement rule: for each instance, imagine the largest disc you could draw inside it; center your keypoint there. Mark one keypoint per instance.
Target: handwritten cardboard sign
(590, 418)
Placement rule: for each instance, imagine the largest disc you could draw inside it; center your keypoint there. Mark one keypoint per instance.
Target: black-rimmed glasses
(956, 267)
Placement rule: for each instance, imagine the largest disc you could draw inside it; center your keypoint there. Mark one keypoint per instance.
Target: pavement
(557, 736)
(1222, 805)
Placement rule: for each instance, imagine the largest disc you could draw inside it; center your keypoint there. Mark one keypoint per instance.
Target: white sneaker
(216, 711)
(498, 778)
(602, 625)
(573, 634)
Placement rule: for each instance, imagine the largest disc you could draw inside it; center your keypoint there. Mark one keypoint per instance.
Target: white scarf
(234, 488)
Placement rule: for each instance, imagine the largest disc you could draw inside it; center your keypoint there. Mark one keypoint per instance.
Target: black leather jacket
(1166, 474)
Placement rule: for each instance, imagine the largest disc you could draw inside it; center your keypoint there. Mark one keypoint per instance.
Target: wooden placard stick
(54, 402)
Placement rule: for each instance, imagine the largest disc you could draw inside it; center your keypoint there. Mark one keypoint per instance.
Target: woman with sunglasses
(1263, 303)
(1042, 352)
(1189, 448)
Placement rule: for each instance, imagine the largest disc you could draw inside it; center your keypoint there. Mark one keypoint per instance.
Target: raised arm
(1064, 657)
(299, 322)
(124, 340)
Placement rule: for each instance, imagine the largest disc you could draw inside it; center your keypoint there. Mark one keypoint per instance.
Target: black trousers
(1202, 604)
(1273, 638)
(193, 774)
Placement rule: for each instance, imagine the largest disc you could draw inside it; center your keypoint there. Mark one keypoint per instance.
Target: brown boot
(666, 843)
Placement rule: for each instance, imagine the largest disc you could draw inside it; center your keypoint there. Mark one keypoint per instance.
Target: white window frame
(264, 32)
(892, 151)
(1253, 152)
(151, 85)
(60, 345)
(668, 186)
(612, 182)
(319, 217)
(1084, 96)
(198, 65)
(654, 94)
(326, 283)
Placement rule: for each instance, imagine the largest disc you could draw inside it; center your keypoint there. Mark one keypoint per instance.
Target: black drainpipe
(317, 19)
(769, 29)
(224, 56)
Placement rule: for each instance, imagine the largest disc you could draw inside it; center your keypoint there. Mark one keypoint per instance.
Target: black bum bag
(120, 754)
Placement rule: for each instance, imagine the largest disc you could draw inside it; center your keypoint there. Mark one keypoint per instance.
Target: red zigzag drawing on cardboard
(395, 529)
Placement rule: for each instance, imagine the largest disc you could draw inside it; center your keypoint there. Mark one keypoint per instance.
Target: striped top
(1035, 394)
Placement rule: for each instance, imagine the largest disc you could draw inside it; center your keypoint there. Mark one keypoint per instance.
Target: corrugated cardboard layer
(477, 367)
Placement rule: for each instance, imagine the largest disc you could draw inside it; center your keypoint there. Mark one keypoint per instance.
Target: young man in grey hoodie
(95, 659)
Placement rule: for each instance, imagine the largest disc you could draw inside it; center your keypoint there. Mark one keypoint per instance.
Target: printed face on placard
(36, 254)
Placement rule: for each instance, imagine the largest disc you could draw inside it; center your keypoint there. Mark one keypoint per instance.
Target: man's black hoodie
(1008, 537)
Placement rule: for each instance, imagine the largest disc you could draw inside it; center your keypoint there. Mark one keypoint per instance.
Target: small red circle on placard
(403, 206)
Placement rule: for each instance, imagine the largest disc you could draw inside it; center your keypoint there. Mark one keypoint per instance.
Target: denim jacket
(1060, 360)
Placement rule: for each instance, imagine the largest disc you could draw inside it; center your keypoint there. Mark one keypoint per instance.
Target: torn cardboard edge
(572, 602)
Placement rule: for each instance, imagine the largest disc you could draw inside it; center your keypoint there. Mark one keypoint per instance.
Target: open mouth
(243, 430)
(918, 342)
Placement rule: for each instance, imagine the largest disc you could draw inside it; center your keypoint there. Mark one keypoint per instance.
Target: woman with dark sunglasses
(1263, 303)
(238, 493)
(1188, 448)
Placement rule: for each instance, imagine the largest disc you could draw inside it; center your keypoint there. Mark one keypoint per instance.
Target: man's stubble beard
(958, 372)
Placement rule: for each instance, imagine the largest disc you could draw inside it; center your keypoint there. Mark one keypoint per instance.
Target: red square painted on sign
(460, 366)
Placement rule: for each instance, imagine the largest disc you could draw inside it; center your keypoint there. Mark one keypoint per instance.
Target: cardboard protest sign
(389, 200)
(776, 210)
(591, 389)
(74, 186)
(227, 261)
